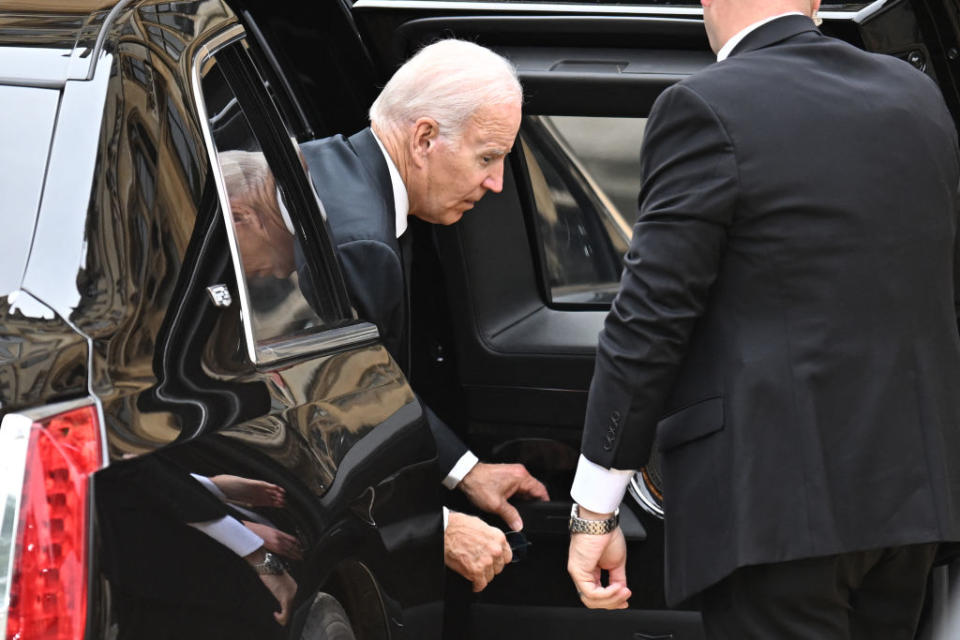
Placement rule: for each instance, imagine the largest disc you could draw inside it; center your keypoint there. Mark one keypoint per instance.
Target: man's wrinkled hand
(279, 542)
(588, 555)
(489, 486)
(251, 493)
(474, 549)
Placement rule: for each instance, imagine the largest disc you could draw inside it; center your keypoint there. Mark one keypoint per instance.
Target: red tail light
(48, 592)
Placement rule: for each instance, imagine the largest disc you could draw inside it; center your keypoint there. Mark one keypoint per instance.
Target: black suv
(157, 376)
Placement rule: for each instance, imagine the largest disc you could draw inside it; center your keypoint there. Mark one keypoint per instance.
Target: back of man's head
(447, 81)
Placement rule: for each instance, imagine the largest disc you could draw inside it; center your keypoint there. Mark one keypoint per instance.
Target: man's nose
(494, 180)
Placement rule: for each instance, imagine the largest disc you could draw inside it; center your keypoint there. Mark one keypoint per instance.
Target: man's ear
(425, 133)
(245, 215)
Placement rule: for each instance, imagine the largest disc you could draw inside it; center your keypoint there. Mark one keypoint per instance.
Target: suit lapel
(367, 149)
(773, 32)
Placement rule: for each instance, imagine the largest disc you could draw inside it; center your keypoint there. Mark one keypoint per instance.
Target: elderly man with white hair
(439, 133)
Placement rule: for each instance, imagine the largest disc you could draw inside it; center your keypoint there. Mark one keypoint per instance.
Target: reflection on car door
(264, 404)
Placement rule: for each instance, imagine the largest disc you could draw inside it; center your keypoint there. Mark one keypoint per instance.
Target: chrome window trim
(14, 440)
(282, 348)
(328, 340)
(639, 491)
(585, 9)
(528, 7)
(200, 59)
(102, 37)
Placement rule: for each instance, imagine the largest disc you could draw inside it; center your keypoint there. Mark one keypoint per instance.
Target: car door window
(583, 177)
(274, 219)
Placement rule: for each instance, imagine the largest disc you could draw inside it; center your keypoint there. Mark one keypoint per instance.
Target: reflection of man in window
(264, 237)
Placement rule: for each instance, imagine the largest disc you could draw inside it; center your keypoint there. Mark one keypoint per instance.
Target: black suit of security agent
(353, 182)
(788, 304)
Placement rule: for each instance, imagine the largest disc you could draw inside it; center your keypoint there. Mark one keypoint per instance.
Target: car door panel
(179, 392)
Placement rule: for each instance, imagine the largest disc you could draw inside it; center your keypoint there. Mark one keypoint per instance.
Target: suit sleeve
(379, 300)
(374, 279)
(689, 189)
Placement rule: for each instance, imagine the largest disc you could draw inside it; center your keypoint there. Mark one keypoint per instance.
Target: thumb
(511, 516)
(618, 575)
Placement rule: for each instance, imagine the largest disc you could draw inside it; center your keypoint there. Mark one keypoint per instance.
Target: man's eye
(486, 159)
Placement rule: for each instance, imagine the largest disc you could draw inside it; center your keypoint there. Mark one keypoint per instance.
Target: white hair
(243, 171)
(447, 81)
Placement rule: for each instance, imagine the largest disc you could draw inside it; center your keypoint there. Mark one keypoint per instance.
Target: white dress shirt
(595, 487)
(401, 203)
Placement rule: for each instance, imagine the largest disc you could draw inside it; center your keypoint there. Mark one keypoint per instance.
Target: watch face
(271, 564)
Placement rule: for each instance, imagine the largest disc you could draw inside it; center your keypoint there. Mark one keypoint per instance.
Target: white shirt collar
(730, 44)
(400, 202)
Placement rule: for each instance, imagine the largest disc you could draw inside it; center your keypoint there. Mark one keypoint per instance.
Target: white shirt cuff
(597, 488)
(460, 470)
(230, 533)
(446, 517)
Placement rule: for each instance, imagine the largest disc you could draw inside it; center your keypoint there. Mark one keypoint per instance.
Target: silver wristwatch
(271, 565)
(593, 527)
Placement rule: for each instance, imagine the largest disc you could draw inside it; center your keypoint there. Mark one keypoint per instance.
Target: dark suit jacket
(788, 304)
(353, 182)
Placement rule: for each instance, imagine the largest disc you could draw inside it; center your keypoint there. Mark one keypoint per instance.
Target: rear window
(26, 129)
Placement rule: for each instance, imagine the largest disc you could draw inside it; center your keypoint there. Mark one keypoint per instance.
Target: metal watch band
(593, 527)
(271, 565)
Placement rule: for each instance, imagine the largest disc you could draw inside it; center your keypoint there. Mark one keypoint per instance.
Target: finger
(511, 516)
(595, 596)
(488, 574)
(281, 615)
(618, 575)
(480, 584)
(501, 559)
(533, 488)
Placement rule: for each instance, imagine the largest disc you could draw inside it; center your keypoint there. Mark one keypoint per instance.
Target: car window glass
(26, 130)
(609, 150)
(270, 256)
(583, 175)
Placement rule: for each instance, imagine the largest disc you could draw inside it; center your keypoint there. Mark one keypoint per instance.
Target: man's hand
(591, 553)
(279, 542)
(489, 486)
(250, 493)
(281, 585)
(474, 549)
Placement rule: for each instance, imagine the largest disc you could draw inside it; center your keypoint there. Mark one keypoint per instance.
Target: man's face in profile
(266, 246)
(460, 172)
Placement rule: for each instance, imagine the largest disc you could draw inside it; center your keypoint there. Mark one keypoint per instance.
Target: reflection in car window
(263, 232)
(609, 149)
(582, 234)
